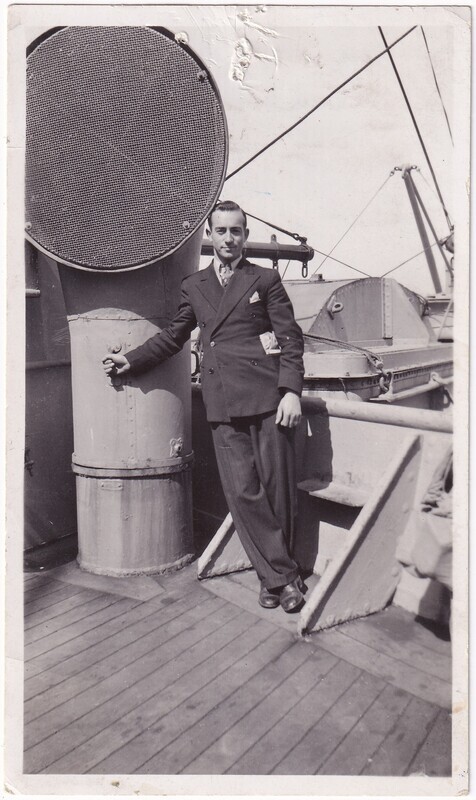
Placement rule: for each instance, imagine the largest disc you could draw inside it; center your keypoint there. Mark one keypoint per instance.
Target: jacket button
(211, 370)
(254, 363)
(212, 344)
(203, 324)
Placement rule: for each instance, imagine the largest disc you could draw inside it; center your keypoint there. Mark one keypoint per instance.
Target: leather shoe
(291, 596)
(268, 598)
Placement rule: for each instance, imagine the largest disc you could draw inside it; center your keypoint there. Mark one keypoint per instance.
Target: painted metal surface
(132, 438)
(363, 575)
(368, 338)
(358, 485)
(49, 485)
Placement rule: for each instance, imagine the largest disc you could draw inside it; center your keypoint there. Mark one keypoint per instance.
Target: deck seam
(329, 755)
(90, 600)
(229, 697)
(126, 627)
(95, 663)
(134, 661)
(54, 616)
(94, 644)
(58, 588)
(77, 719)
(296, 744)
(423, 742)
(389, 733)
(393, 657)
(321, 678)
(239, 657)
(189, 697)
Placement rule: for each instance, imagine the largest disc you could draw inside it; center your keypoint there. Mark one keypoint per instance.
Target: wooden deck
(167, 675)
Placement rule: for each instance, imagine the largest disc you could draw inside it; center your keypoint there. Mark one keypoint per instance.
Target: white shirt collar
(217, 264)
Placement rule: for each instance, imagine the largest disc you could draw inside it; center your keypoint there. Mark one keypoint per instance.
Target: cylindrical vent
(126, 146)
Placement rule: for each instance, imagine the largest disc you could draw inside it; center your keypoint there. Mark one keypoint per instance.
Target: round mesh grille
(126, 146)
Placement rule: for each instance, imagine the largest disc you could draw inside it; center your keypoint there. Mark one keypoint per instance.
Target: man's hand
(115, 364)
(289, 411)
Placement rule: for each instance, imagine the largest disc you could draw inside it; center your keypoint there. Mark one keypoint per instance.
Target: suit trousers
(256, 463)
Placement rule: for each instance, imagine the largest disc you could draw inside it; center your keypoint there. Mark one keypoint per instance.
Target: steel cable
(417, 129)
(321, 102)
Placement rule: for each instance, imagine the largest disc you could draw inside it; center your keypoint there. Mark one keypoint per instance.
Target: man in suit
(252, 374)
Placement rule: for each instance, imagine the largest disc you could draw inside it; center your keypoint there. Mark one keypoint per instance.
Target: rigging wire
(303, 241)
(295, 236)
(353, 223)
(285, 269)
(384, 275)
(436, 84)
(344, 263)
(392, 61)
(320, 103)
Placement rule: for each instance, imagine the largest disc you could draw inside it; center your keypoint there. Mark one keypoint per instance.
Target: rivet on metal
(202, 75)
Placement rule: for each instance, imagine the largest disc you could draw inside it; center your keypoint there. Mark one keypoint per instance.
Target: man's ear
(247, 233)
(208, 232)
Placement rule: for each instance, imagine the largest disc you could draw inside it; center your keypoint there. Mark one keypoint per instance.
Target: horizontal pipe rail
(273, 250)
(368, 412)
(393, 397)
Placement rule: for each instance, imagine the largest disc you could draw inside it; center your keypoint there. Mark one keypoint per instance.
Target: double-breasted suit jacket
(239, 379)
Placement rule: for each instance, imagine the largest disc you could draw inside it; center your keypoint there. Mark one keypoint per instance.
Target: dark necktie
(226, 272)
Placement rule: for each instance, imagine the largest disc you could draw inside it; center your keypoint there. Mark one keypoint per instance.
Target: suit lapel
(210, 288)
(244, 277)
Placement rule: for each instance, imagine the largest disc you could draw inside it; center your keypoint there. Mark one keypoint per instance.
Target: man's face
(228, 234)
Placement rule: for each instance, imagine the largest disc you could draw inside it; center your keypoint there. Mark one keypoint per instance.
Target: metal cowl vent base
(126, 155)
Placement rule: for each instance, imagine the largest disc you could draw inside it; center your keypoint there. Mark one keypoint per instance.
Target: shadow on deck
(167, 675)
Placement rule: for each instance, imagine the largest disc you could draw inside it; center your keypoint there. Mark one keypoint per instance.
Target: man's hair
(226, 205)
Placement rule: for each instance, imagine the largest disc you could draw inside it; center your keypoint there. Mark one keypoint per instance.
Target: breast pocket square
(255, 298)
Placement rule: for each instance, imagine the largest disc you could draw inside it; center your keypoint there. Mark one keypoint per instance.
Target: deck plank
(73, 596)
(274, 746)
(256, 647)
(175, 757)
(229, 731)
(401, 675)
(77, 671)
(400, 626)
(69, 626)
(434, 757)
(41, 588)
(353, 753)
(113, 615)
(55, 593)
(42, 623)
(323, 738)
(161, 692)
(414, 653)
(127, 687)
(32, 580)
(106, 678)
(395, 754)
